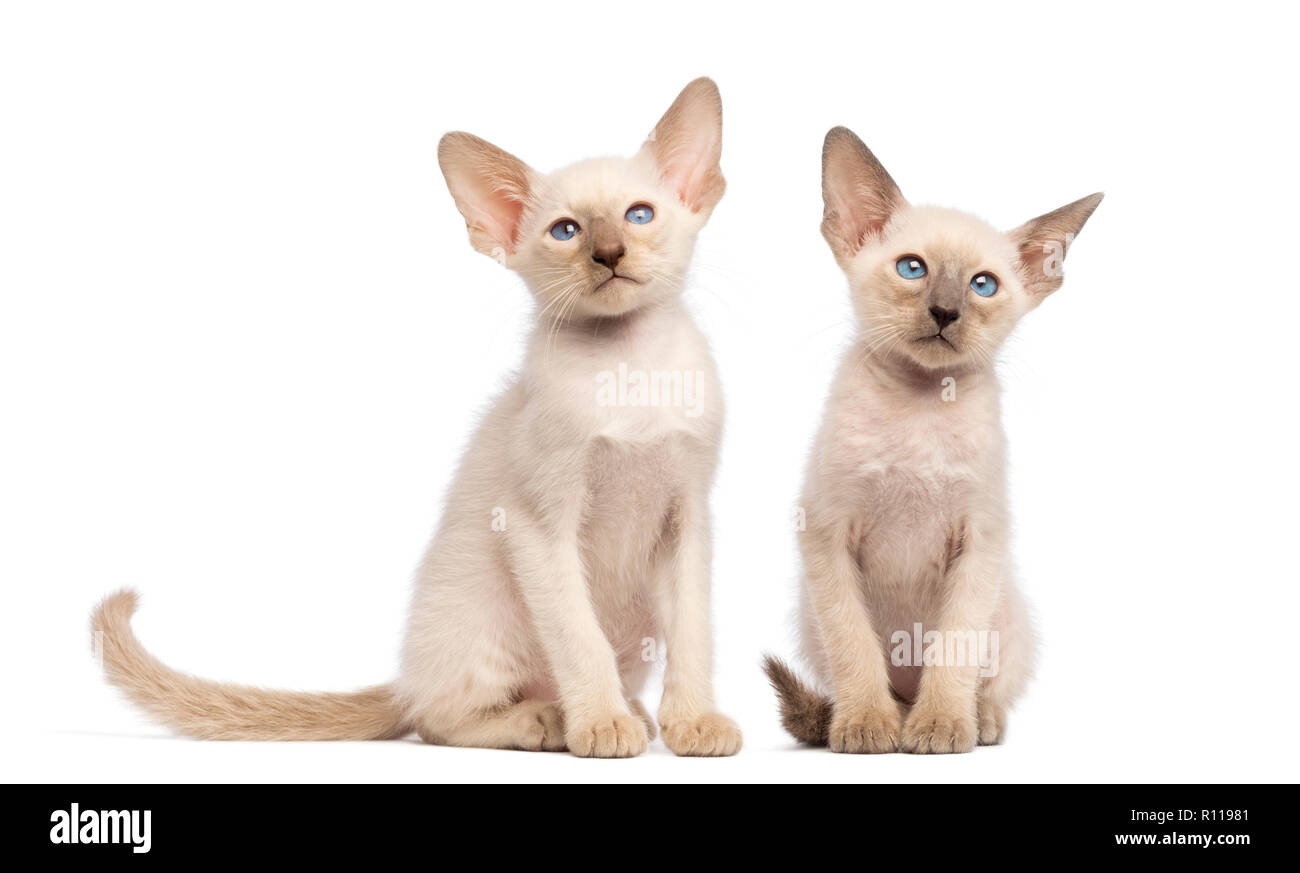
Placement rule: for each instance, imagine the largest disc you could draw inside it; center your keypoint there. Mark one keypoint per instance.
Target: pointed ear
(858, 194)
(1043, 241)
(686, 146)
(491, 187)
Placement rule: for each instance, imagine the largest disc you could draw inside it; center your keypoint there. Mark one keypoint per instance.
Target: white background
(243, 340)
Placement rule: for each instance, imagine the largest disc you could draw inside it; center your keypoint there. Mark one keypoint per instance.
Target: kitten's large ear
(858, 193)
(686, 146)
(491, 187)
(1043, 241)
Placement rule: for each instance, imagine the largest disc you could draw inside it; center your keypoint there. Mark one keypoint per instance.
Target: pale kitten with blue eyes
(909, 616)
(575, 539)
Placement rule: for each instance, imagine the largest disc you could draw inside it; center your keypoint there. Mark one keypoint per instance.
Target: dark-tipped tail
(805, 713)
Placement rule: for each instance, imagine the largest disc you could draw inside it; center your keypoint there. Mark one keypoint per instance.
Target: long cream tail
(217, 711)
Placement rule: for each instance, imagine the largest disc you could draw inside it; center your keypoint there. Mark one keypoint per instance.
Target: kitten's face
(935, 287)
(604, 237)
(919, 289)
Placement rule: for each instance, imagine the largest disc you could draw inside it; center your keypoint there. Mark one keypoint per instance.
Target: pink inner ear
(869, 211)
(855, 210)
(690, 173)
(503, 213)
(490, 186)
(496, 206)
(687, 145)
(859, 195)
(1040, 262)
(1043, 242)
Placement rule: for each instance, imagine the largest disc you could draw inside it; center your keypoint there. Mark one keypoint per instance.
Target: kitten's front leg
(690, 724)
(598, 722)
(943, 719)
(865, 717)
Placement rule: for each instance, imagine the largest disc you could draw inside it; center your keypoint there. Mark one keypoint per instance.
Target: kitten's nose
(608, 255)
(943, 317)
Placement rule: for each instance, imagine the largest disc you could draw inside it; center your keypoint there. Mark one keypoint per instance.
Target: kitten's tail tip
(113, 613)
(805, 713)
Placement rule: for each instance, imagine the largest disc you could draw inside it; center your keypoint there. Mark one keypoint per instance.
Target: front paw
(858, 730)
(936, 731)
(711, 735)
(613, 735)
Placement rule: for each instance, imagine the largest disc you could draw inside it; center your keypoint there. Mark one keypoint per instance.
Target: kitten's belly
(904, 553)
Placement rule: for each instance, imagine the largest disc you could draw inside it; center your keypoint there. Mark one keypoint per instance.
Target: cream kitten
(576, 533)
(907, 594)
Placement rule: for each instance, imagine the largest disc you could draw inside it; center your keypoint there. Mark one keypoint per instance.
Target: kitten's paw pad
(711, 735)
(608, 736)
(541, 728)
(992, 724)
(931, 732)
(865, 730)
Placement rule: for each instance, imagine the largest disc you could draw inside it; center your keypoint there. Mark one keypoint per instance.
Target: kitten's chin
(935, 353)
(617, 295)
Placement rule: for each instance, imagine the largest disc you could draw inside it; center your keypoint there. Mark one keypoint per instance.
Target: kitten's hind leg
(1013, 663)
(530, 725)
(471, 673)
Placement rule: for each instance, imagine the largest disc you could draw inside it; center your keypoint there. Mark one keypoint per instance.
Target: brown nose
(943, 317)
(608, 255)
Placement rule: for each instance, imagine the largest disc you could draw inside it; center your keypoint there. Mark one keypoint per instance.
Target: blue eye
(985, 285)
(564, 229)
(640, 214)
(910, 267)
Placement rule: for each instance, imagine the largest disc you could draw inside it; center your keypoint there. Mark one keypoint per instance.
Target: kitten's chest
(632, 491)
(628, 480)
(644, 394)
(651, 400)
(918, 476)
(929, 453)
(908, 523)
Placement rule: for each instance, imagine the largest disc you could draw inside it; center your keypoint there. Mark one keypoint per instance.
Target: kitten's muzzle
(613, 280)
